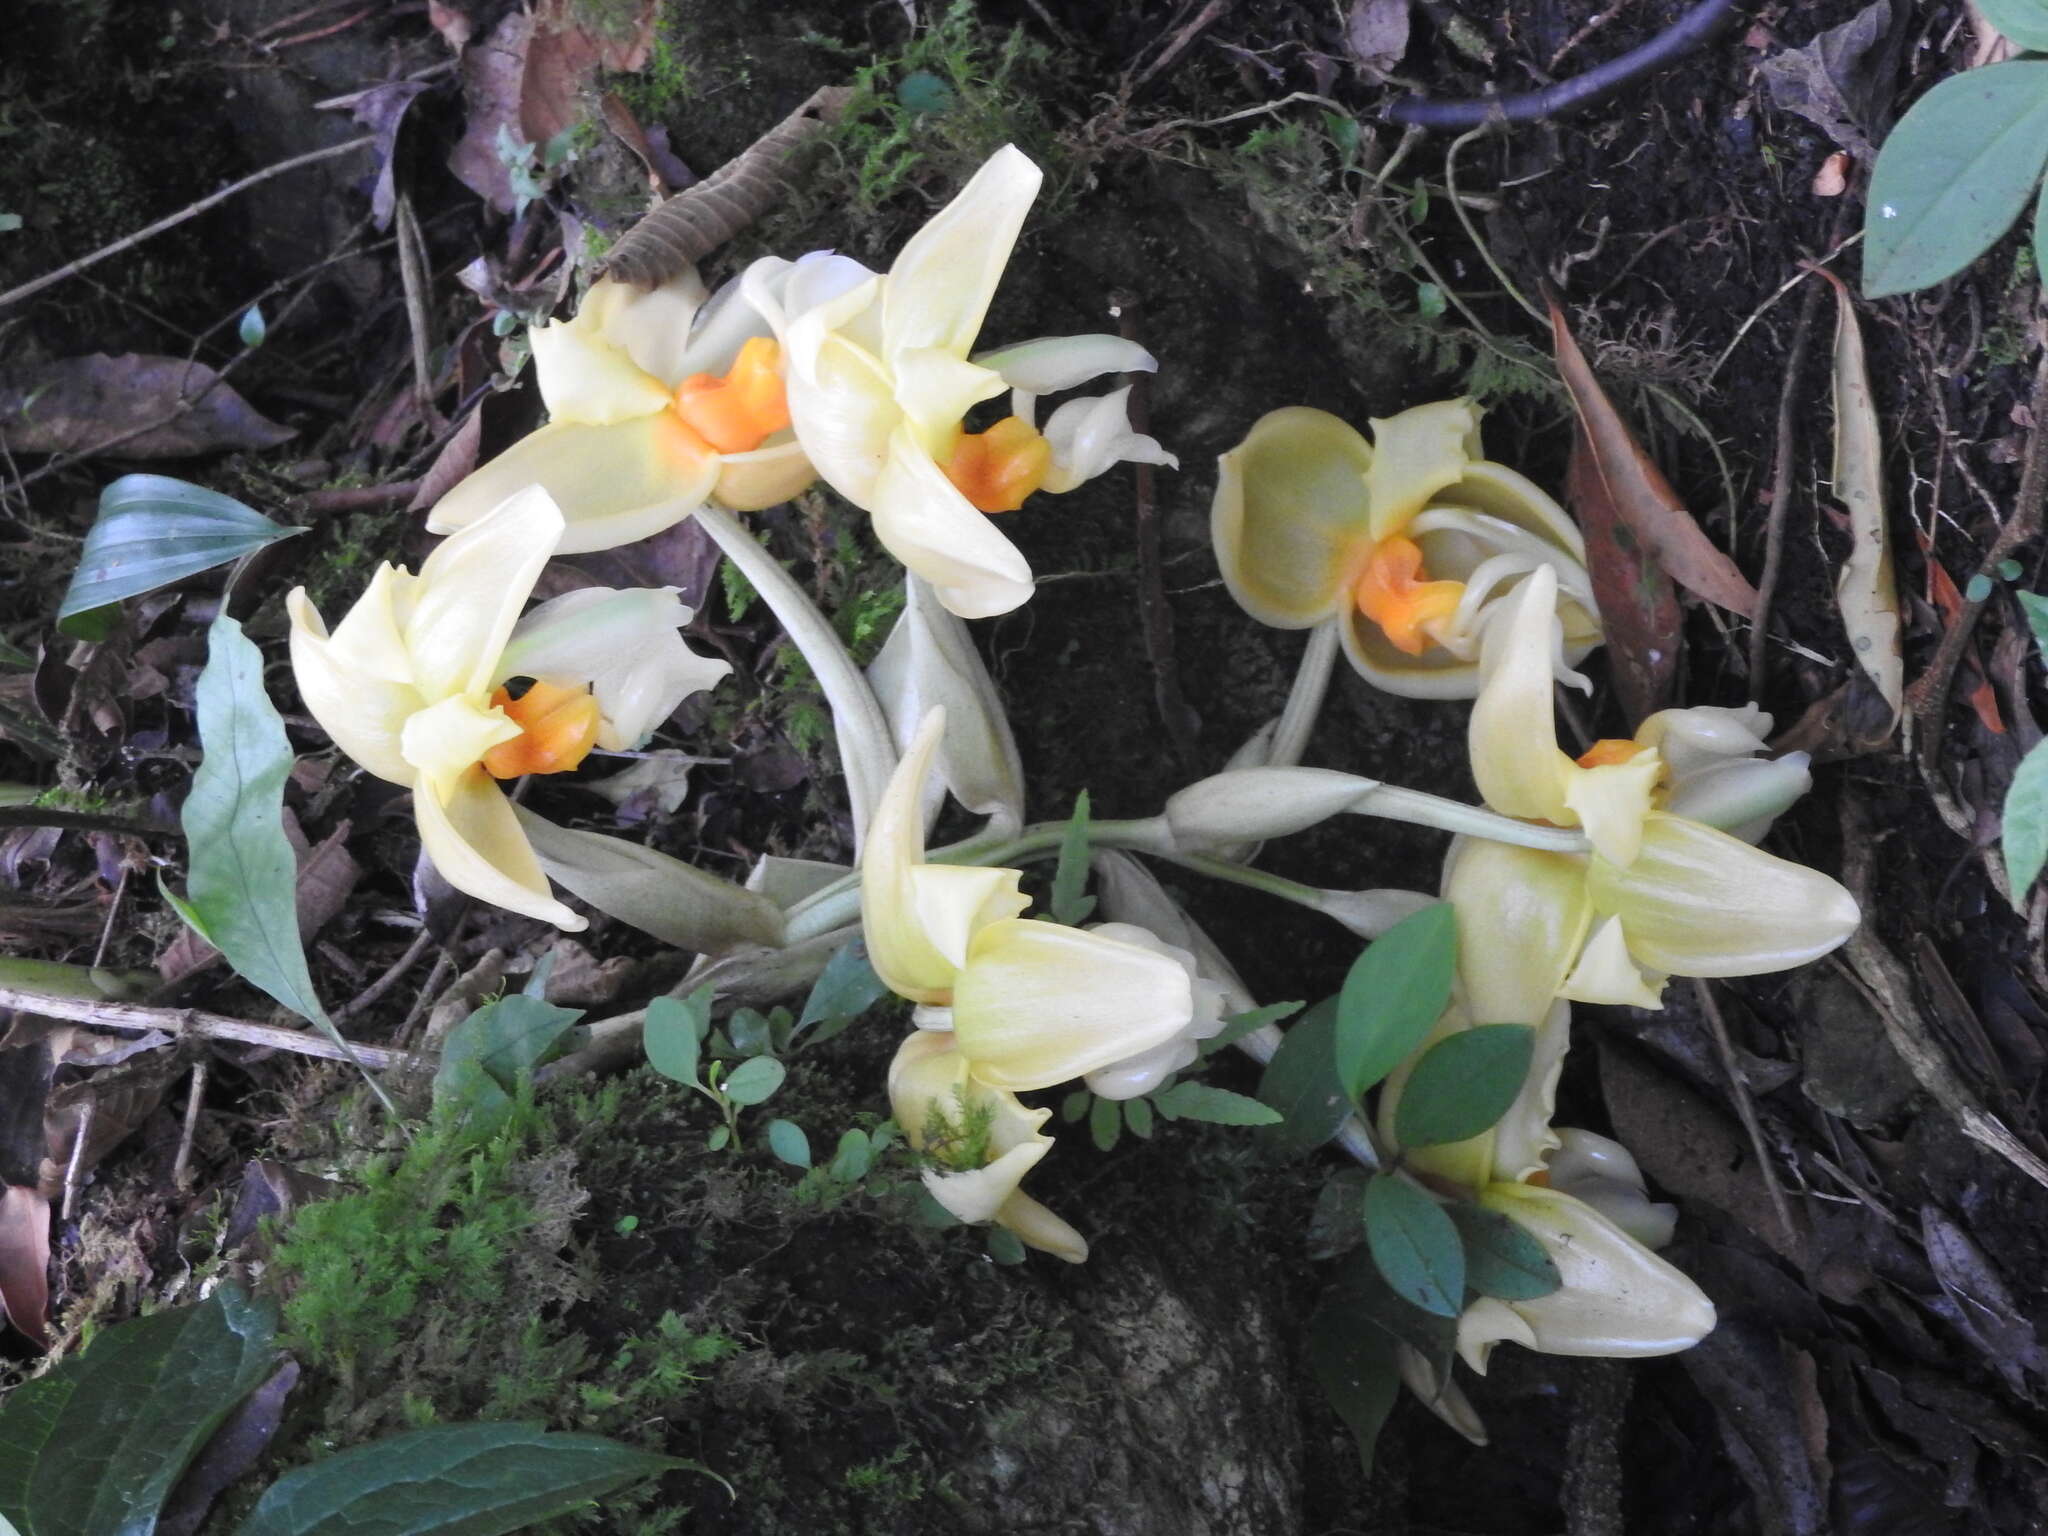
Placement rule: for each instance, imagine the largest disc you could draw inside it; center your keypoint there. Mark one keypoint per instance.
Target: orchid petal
(1505, 494)
(1741, 796)
(1037, 1227)
(655, 326)
(618, 483)
(1523, 916)
(1251, 804)
(928, 661)
(1603, 1173)
(1697, 902)
(1138, 1074)
(844, 414)
(364, 714)
(1091, 436)
(1705, 736)
(1522, 1138)
(470, 591)
(921, 518)
(1415, 455)
(370, 639)
(1610, 802)
(954, 902)
(586, 378)
(476, 844)
(1446, 1399)
(1618, 1300)
(624, 645)
(1513, 731)
(1607, 973)
(445, 740)
(1487, 1322)
(941, 284)
(935, 389)
(763, 477)
(1049, 364)
(902, 953)
(1038, 1004)
(1290, 521)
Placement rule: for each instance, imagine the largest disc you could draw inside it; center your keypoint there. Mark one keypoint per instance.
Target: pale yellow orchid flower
(1029, 1004)
(979, 1142)
(412, 685)
(1405, 543)
(880, 381)
(1662, 893)
(657, 402)
(1618, 1299)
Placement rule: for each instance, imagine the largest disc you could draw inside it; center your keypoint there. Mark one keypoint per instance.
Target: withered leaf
(138, 405)
(1642, 497)
(1639, 609)
(25, 1261)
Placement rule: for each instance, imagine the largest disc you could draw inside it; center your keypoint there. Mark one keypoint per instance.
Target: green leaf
(1977, 588)
(674, 1033)
(1394, 993)
(14, 658)
(1238, 1025)
(484, 1054)
(720, 1135)
(2035, 606)
(2026, 821)
(750, 1032)
(1365, 1293)
(153, 530)
(786, 1139)
(451, 1480)
(1355, 1364)
(241, 889)
(1138, 1116)
(2024, 21)
(1415, 1245)
(54, 978)
(95, 1447)
(1463, 1084)
(1005, 1246)
(1954, 174)
(1501, 1257)
(755, 1079)
(855, 1155)
(253, 328)
(1301, 1082)
(1075, 1105)
(1218, 1106)
(1070, 879)
(1337, 1223)
(1105, 1123)
(847, 988)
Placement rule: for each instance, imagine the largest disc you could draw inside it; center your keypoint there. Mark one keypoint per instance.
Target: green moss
(1363, 242)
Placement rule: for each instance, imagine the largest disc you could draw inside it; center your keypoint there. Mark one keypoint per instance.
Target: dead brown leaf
(1638, 605)
(1642, 497)
(1376, 34)
(158, 408)
(25, 1262)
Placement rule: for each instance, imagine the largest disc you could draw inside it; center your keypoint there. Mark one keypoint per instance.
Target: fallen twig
(104, 1013)
(172, 221)
(1745, 1107)
(82, 821)
(1781, 494)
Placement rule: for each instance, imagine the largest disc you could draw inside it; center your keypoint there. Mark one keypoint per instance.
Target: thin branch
(1781, 495)
(104, 1013)
(172, 221)
(81, 821)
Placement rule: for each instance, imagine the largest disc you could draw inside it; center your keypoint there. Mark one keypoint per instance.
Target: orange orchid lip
(558, 727)
(742, 410)
(997, 469)
(1609, 751)
(1395, 593)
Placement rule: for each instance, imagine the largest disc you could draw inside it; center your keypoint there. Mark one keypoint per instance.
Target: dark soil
(1876, 1369)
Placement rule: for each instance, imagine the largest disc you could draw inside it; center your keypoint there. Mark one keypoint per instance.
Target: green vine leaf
(1415, 1245)
(1393, 994)
(1463, 1084)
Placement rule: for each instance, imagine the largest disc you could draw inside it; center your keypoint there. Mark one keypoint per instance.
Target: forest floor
(1853, 1146)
